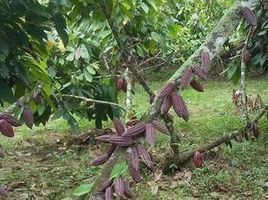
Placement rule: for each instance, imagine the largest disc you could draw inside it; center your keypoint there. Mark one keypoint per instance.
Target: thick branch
(182, 158)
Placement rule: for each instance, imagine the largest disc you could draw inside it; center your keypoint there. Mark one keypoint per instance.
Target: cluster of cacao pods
(172, 98)
(121, 84)
(7, 121)
(126, 137)
(116, 187)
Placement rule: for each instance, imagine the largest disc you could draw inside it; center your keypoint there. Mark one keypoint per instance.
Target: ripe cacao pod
(198, 159)
(99, 160)
(135, 173)
(145, 156)
(38, 99)
(179, 106)
(109, 193)
(27, 116)
(133, 158)
(197, 86)
(166, 105)
(111, 149)
(10, 119)
(3, 192)
(199, 72)
(161, 127)
(127, 192)
(166, 90)
(120, 83)
(135, 130)
(6, 128)
(119, 126)
(245, 55)
(249, 16)
(105, 185)
(150, 133)
(186, 78)
(119, 186)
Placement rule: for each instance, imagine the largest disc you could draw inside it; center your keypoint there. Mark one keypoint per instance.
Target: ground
(43, 164)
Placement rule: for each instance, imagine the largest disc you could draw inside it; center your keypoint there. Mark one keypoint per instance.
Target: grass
(37, 166)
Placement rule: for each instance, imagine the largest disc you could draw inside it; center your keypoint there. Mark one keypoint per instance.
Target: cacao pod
(197, 86)
(135, 173)
(166, 105)
(116, 139)
(150, 133)
(133, 158)
(27, 116)
(198, 159)
(245, 55)
(249, 16)
(119, 126)
(166, 90)
(186, 78)
(199, 72)
(99, 160)
(205, 61)
(6, 128)
(38, 99)
(145, 156)
(10, 119)
(179, 106)
(160, 127)
(120, 82)
(105, 185)
(135, 130)
(3, 192)
(109, 193)
(119, 186)
(111, 149)
(127, 192)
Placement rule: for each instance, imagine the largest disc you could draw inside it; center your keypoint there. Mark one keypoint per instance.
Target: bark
(128, 96)
(213, 45)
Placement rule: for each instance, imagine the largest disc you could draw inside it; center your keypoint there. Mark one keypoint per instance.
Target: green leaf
(91, 70)
(144, 7)
(88, 76)
(70, 57)
(84, 52)
(6, 93)
(118, 170)
(155, 36)
(82, 189)
(60, 25)
(231, 71)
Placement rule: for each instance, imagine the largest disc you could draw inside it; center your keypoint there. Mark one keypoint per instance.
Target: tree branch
(182, 158)
(92, 100)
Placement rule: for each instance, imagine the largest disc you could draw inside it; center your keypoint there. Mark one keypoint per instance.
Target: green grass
(37, 166)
